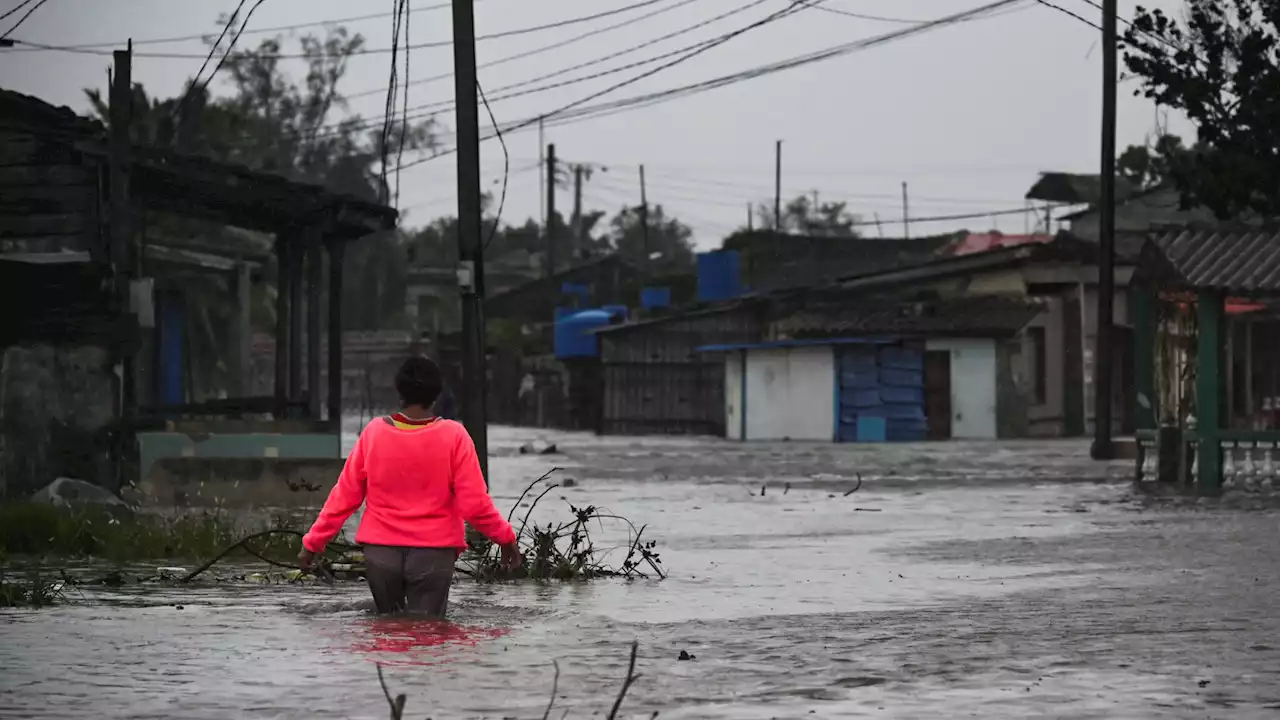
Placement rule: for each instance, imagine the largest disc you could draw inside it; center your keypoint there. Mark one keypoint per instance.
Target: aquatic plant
(397, 703)
(562, 551)
(37, 591)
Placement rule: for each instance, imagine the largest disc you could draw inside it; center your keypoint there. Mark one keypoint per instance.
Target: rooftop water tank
(719, 276)
(573, 336)
(654, 298)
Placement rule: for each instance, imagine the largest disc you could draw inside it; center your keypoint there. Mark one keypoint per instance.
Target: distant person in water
(419, 479)
(447, 405)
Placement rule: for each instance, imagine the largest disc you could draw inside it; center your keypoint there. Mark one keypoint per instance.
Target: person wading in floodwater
(419, 478)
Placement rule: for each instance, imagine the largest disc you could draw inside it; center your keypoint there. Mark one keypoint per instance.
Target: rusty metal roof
(1237, 261)
(973, 316)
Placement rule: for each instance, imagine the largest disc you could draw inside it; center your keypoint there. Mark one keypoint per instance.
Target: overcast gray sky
(965, 114)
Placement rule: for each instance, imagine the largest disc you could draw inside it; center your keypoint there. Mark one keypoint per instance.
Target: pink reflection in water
(414, 641)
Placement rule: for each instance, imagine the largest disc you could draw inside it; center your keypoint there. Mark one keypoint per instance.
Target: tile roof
(1241, 262)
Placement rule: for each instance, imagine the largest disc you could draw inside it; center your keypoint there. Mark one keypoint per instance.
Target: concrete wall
(734, 375)
(790, 394)
(237, 483)
(1045, 419)
(1141, 215)
(156, 446)
(57, 408)
(973, 386)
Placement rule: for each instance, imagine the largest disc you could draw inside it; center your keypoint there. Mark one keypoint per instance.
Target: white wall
(791, 394)
(973, 387)
(733, 374)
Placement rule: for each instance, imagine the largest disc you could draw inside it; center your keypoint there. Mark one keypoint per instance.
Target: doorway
(937, 394)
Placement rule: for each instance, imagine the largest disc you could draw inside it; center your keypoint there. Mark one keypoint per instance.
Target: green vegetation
(33, 529)
(563, 551)
(36, 591)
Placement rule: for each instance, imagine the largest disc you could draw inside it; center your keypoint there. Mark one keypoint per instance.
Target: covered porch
(1206, 312)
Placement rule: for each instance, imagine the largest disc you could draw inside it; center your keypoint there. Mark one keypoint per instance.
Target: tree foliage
(1220, 66)
(1152, 165)
(805, 215)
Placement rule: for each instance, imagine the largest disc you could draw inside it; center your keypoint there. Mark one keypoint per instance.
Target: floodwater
(1008, 580)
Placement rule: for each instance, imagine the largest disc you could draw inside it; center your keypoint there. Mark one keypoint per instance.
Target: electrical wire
(575, 112)
(18, 7)
(616, 54)
(881, 18)
(506, 167)
(369, 51)
(259, 31)
(177, 110)
(1070, 13)
(404, 112)
(390, 106)
(21, 19)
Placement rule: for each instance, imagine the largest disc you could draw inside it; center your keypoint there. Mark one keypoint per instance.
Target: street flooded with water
(1007, 580)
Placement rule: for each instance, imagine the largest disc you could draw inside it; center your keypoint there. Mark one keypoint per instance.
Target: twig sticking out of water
(626, 685)
(856, 488)
(555, 688)
(243, 544)
(397, 705)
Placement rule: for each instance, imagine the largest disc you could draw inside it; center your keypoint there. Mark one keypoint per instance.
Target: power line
(195, 82)
(593, 33)
(259, 31)
(21, 19)
(881, 18)
(575, 112)
(18, 7)
(692, 51)
(367, 51)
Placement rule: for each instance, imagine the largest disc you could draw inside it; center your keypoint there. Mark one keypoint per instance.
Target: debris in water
(857, 487)
(569, 482)
(685, 655)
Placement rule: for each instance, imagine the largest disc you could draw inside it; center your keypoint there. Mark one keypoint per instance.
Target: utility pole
(906, 214)
(120, 252)
(644, 222)
(777, 187)
(575, 243)
(550, 226)
(1102, 373)
(470, 248)
(542, 180)
(751, 222)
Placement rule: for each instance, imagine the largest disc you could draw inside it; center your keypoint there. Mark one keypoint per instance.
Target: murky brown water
(962, 580)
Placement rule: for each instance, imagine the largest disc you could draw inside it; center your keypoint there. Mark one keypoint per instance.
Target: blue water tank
(573, 336)
(653, 298)
(619, 312)
(719, 276)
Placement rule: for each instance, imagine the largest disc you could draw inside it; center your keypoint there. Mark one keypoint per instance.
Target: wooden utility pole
(550, 227)
(644, 222)
(542, 180)
(751, 222)
(906, 214)
(1102, 373)
(120, 252)
(470, 243)
(777, 187)
(575, 242)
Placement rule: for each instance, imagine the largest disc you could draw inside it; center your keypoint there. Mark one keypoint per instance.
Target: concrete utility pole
(470, 243)
(1102, 373)
(120, 250)
(906, 214)
(644, 223)
(777, 187)
(550, 227)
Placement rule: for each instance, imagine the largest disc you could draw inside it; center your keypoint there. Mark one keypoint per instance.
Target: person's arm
(345, 498)
(474, 503)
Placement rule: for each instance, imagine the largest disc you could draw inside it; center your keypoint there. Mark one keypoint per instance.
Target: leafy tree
(665, 247)
(1149, 166)
(806, 216)
(1220, 67)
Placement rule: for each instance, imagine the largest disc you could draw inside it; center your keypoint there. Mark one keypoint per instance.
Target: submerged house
(94, 382)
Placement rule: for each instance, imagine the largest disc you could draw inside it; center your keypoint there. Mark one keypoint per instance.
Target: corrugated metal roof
(982, 315)
(1235, 261)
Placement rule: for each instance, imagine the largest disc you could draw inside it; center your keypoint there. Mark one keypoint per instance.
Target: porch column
(315, 281)
(1209, 314)
(1142, 311)
(241, 332)
(335, 334)
(284, 274)
(296, 320)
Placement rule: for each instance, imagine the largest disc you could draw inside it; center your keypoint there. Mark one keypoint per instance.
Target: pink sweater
(418, 486)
